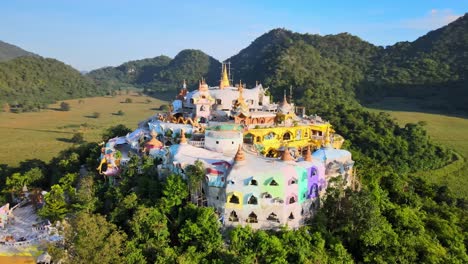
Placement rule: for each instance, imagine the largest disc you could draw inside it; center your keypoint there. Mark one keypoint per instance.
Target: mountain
(30, 83)
(161, 73)
(9, 51)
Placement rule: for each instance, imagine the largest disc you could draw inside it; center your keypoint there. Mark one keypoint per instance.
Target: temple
(267, 164)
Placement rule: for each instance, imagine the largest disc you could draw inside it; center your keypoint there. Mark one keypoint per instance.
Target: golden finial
(239, 154)
(183, 139)
(224, 78)
(286, 155)
(327, 136)
(308, 155)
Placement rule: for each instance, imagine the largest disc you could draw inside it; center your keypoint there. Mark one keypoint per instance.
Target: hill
(161, 73)
(30, 83)
(9, 51)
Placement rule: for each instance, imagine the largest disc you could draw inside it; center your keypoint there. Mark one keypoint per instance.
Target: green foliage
(96, 115)
(64, 106)
(120, 113)
(115, 131)
(128, 100)
(55, 207)
(77, 138)
(8, 52)
(30, 83)
(161, 73)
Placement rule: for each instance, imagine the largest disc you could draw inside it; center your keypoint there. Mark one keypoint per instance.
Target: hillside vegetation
(30, 83)
(161, 73)
(8, 51)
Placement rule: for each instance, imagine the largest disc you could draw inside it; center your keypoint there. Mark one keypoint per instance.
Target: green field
(42, 135)
(450, 131)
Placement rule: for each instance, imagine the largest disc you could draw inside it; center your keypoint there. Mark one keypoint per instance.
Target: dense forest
(433, 67)
(161, 73)
(31, 83)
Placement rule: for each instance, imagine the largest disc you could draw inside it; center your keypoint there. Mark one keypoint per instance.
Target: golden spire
(308, 155)
(183, 139)
(286, 155)
(327, 136)
(224, 78)
(239, 154)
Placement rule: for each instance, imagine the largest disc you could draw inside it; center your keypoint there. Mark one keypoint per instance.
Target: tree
(115, 131)
(55, 207)
(96, 115)
(128, 100)
(174, 191)
(64, 106)
(77, 138)
(6, 107)
(91, 239)
(120, 113)
(195, 174)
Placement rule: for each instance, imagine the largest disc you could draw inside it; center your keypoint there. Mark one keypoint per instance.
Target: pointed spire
(285, 101)
(286, 155)
(224, 78)
(308, 155)
(239, 154)
(183, 139)
(327, 137)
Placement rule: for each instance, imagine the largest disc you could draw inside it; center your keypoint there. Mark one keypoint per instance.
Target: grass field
(451, 131)
(42, 135)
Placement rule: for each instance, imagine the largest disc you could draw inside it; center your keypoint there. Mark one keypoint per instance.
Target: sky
(89, 34)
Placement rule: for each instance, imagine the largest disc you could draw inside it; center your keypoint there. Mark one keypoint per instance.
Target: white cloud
(434, 19)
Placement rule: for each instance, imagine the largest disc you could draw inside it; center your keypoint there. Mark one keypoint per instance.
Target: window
(313, 172)
(253, 182)
(233, 217)
(292, 200)
(252, 200)
(234, 199)
(273, 183)
(217, 142)
(273, 217)
(287, 136)
(218, 101)
(291, 216)
(232, 142)
(266, 195)
(292, 181)
(252, 218)
(191, 101)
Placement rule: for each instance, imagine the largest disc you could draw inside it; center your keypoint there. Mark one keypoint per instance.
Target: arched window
(313, 172)
(292, 181)
(234, 199)
(233, 217)
(252, 218)
(291, 216)
(273, 183)
(314, 190)
(253, 182)
(218, 101)
(292, 199)
(252, 200)
(273, 218)
(287, 136)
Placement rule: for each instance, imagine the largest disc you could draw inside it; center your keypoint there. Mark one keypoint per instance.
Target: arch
(291, 216)
(252, 218)
(313, 172)
(218, 101)
(253, 182)
(314, 190)
(252, 200)
(259, 139)
(266, 195)
(273, 218)
(292, 181)
(273, 183)
(271, 153)
(234, 199)
(292, 199)
(233, 217)
(287, 136)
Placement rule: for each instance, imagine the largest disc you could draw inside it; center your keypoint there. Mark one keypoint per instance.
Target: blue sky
(91, 34)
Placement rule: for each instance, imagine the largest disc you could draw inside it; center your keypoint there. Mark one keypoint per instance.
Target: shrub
(96, 115)
(128, 100)
(77, 138)
(64, 106)
(120, 113)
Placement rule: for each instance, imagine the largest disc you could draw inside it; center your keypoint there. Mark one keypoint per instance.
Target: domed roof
(330, 154)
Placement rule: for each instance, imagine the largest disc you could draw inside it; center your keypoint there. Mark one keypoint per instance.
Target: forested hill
(162, 73)
(8, 51)
(30, 83)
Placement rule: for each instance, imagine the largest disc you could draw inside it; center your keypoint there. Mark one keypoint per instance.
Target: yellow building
(269, 141)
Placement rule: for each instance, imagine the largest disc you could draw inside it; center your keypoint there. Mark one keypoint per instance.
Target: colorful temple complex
(267, 164)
